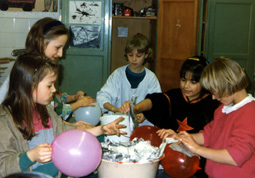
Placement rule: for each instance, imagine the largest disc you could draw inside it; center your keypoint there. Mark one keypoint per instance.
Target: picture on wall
(85, 36)
(29, 5)
(85, 12)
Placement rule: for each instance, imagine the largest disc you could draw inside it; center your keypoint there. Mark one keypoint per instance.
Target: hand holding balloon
(164, 133)
(41, 153)
(86, 101)
(188, 141)
(79, 94)
(113, 128)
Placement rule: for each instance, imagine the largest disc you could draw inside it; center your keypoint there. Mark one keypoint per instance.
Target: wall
(13, 31)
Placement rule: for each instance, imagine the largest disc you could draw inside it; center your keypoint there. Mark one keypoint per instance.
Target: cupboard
(178, 31)
(132, 25)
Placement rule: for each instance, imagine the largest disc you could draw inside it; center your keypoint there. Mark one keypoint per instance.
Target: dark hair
(42, 32)
(28, 175)
(195, 65)
(140, 43)
(26, 74)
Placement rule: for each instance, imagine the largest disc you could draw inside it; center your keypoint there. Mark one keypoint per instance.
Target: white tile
(9, 24)
(22, 25)
(6, 52)
(7, 40)
(20, 40)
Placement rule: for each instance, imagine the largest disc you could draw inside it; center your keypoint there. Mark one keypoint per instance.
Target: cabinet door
(177, 38)
(231, 32)
(86, 64)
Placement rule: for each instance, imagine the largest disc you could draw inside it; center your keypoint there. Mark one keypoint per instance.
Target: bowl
(111, 169)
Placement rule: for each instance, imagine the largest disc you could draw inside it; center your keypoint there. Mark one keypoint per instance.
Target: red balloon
(148, 133)
(179, 165)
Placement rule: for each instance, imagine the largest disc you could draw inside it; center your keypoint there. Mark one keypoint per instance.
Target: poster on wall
(85, 12)
(85, 36)
(29, 5)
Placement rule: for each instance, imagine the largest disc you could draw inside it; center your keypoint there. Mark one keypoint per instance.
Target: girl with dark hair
(188, 108)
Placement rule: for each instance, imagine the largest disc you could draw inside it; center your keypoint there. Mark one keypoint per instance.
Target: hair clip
(193, 58)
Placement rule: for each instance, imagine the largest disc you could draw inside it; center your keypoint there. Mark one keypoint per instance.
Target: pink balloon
(76, 153)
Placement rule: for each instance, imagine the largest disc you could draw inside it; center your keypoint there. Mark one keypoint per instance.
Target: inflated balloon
(89, 114)
(179, 165)
(76, 153)
(148, 133)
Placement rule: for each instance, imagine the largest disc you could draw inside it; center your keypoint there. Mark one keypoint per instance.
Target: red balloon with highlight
(148, 133)
(179, 165)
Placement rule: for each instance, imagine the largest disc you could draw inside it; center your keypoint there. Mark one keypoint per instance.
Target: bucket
(111, 169)
(106, 119)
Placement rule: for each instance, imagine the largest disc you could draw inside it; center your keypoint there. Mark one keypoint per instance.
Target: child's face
(136, 61)
(190, 88)
(226, 100)
(54, 49)
(43, 93)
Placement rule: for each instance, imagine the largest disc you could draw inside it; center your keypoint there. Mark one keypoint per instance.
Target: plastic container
(110, 169)
(106, 119)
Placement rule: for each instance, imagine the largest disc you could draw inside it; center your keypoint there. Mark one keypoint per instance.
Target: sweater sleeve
(109, 92)
(159, 113)
(25, 162)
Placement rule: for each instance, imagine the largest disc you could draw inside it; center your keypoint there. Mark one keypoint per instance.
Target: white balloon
(88, 114)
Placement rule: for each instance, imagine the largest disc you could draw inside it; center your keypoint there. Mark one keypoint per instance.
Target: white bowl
(110, 169)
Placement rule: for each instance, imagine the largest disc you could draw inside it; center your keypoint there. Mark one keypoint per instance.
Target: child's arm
(109, 129)
(71, 98)
(83, 102)
(110, 107)
(194, 141)
(144, 105)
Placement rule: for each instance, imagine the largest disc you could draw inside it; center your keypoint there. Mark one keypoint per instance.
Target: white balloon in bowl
(88, 114)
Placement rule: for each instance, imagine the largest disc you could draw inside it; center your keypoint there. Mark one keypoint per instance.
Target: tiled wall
(14, 27)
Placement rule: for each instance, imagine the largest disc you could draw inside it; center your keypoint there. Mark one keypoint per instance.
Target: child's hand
(41, 153)
(86, 101)
(79, 94)
(163, 133)
(140, 117)
(188, 141)
(125, 107)
(113, 127)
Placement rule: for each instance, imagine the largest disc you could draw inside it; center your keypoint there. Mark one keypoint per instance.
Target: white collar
(228, 109)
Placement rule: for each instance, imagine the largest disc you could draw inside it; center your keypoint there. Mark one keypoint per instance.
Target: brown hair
(140, 43)
(26, 74)
(42, 32)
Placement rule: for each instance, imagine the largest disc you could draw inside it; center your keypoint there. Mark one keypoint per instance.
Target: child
(64, 109)
(227, 142)
(188, 108)
(47, 37)
(28, 124)
(132, 79)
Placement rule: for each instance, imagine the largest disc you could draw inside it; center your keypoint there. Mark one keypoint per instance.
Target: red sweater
(235, 132)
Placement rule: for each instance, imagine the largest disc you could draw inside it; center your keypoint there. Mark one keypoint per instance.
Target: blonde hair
(224, 77)
(140, 43)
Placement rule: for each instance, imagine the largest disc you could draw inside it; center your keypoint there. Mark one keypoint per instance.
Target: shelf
(133, 17)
